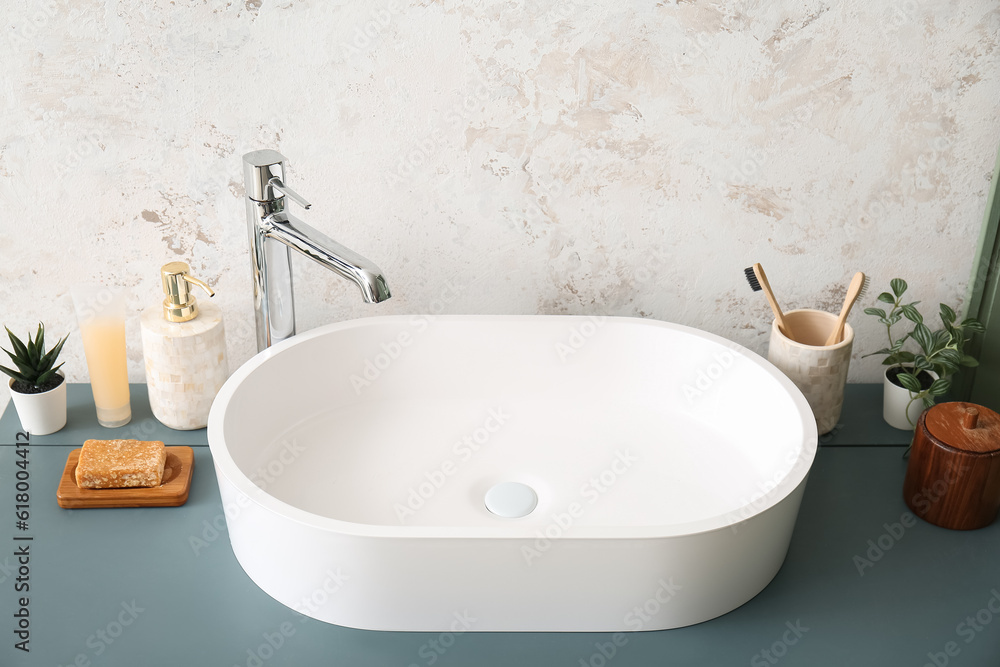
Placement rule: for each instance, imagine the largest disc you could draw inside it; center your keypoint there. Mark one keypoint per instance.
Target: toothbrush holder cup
(818, 370)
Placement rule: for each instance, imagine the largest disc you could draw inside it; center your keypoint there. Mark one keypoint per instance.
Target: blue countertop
(864, 582)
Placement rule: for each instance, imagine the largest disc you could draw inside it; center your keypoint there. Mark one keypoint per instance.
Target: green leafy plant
(941, 351)
(35, 367)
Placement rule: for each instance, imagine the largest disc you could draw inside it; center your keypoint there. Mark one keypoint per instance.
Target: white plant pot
(897, 408)
(44, 413)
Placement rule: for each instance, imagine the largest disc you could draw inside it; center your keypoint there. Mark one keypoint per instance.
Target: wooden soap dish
(173, 491)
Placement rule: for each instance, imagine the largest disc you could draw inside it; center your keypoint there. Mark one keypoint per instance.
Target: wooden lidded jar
(953, 478)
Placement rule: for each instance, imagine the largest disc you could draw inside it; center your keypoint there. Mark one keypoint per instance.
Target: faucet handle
(258, 168)
(263, 175)
(276, 184)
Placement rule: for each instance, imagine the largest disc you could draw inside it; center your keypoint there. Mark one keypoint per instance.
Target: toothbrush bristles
(752, 279)
(864, 287)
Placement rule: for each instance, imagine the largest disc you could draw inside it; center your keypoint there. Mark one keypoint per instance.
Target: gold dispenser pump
(180, 305)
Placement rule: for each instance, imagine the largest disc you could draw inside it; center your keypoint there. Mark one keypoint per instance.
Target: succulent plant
(35, 370)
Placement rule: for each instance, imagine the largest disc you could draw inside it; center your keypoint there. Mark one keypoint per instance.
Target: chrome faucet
(273, 232)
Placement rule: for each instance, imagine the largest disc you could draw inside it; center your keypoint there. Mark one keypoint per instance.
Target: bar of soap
(119, 464)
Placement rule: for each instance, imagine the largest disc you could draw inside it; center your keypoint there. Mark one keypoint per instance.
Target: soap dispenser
(184, 346)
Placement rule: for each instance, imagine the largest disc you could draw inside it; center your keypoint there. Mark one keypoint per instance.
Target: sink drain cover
(511, 500)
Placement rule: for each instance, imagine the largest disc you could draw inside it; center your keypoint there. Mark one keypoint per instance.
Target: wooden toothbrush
(758, 281)
(857, 289)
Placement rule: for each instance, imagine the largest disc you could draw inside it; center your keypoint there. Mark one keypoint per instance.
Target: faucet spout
(274, 233)
(320, 248)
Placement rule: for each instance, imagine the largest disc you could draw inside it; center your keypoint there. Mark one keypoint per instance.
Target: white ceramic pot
(44, 413)
(897, 408)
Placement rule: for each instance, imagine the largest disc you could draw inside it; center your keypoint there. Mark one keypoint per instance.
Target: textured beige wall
(502, 157)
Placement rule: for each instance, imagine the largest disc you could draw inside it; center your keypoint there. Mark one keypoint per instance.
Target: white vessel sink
(640, 475)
